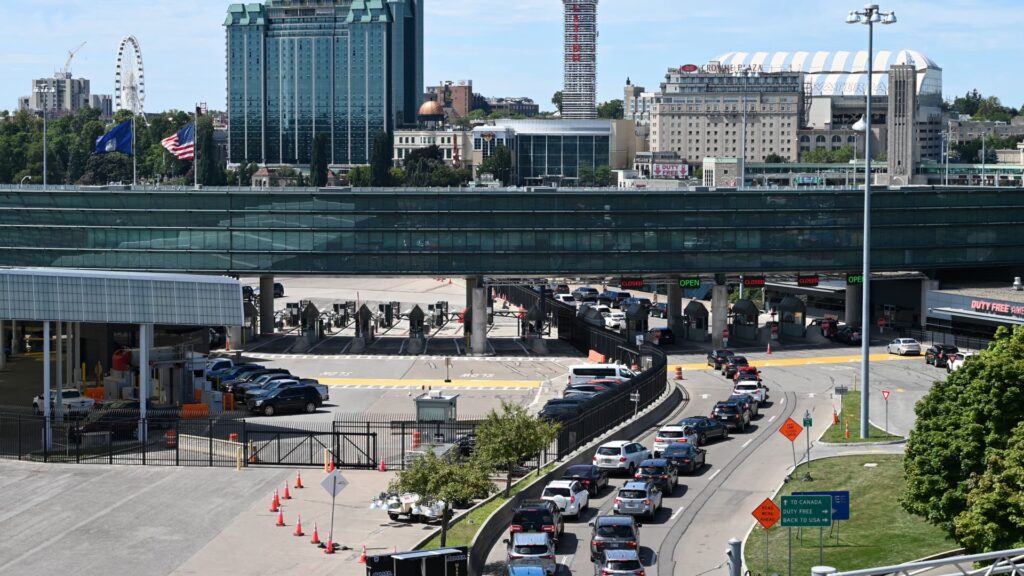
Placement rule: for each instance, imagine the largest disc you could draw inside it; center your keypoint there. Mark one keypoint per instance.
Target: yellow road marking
(802, 361)
(432, 382)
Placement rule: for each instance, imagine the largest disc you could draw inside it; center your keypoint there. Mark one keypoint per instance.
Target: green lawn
(878, 533)
(851, 410)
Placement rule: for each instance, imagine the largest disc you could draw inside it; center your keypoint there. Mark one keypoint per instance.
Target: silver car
(532, 549)
(903, 346)
(637, 499)
(616, 562)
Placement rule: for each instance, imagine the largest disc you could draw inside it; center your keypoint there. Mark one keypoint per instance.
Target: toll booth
(452, 561)
(636, 321)
(417, 321)
(341, 315)
(291, 314)
(792, 318)
(434, 412)
(695, 321)
(744, 321)
(364, 324)
(388, 313)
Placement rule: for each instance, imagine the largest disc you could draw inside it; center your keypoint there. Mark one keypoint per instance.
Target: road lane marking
(772, 419)
(438, 382)
(677, 513)
(747, 443)
(712, 477)
(705, 396)
(782, 402)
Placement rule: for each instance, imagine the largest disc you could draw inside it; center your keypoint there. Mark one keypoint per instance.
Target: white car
(72, 400)
(615, 320)
(903, 346)
(669, 435)
(957, 361)
(603, 309)
(621, 456)
(565, 299)
(756, 389)
(569, 495)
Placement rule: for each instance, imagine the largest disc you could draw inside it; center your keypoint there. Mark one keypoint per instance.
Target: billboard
(670, 171)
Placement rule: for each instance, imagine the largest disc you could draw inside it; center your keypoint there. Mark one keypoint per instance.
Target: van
(583, 373)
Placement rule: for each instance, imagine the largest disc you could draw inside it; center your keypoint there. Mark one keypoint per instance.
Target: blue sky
(513, 47)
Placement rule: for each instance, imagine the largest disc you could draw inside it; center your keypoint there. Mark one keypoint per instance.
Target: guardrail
(1000, 562)
(933, 337)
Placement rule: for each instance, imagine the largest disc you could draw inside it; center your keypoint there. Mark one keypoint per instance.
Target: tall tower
(903, 150)
(579, 95)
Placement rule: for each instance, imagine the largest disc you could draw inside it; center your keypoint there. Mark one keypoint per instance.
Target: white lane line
(783, 401)
(712, 477)
(676, 513)
(567, 562)
(747, 443)
(704, 396)
(772, 419)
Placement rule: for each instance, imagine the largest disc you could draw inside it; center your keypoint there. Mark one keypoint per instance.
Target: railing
(1001, 562)
(933, 337)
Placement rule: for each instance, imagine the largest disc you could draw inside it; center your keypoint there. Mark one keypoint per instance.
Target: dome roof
(431, 108)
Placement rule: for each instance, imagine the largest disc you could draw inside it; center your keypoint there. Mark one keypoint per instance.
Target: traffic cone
(316, 535)
(383, 467)
(277, 499)
(298, 526)
(287, 494)
(847, 428)
(329, 548)
(280, 517)
(298, 480)
(274, 504)
(362, 556)
(330, 466)
(835, 417)
(769, 348)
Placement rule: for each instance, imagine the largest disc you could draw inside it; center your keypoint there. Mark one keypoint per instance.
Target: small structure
(695, 321)
(744, 324)
(636, 321)
(435, 412)
(416, 326)
(792, 318)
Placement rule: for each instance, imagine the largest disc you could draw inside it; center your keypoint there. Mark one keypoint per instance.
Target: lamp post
(857, 126)
(870, 16)
(44, 91)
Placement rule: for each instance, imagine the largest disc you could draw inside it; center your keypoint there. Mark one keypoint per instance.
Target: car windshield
(551, 492)
(677, 450)
(727, 408)
(671, 434)
(615, 531)
(583, 471)
(608, 451)
(533, 550)
(69, 394)
(738, 360)
(633, 494)
(691, 421)
(532, 516)
(747, 387)
(623, 565)
(651, 469)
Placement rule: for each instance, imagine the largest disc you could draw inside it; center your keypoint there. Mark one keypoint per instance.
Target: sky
(514, 47)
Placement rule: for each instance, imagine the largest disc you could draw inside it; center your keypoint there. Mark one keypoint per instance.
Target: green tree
(107, 168)
(440, 479)
(509, 438)
(612, 110)
(585, 175)
(398, 177)
(826, 156)
(359, 176)
(557, 100)
(210, 171)
(962, 423)
(318, 161)
(603, 175)
(774, 158)
(994, 517)
(499, 165)
(380, 161)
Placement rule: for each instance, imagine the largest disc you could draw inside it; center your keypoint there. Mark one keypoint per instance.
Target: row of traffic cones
(275, 506)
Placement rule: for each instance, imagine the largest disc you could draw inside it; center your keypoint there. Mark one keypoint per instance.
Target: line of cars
(945, 356)
(587, 384)
(749, 393)
(270, 391)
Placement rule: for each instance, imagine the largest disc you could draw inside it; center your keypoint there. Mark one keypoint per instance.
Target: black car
(732, 364)
(465, 445)
(685, 457)
(588, 390)
(659, 472)
(939, 355)
(748, 402)
(644, 302)
(848, 335)
(278, 290)
(660, 336)
(613, 298)
(731, 414)
(591, 477)
(582, 293)
(120, 419)
(706, 428)
(718, 357)
(659, 310)
(248, 293)
(561, 412)
(538, 516)
(298, 399)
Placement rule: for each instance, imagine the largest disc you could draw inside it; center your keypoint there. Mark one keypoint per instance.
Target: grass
(878, 533)
(851, 411)
(462, 531)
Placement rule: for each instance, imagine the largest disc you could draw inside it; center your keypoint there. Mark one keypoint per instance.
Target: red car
(747, 373)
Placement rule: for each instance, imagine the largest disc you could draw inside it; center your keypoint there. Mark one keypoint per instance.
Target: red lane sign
(885, 395)
(725, 333)
(790, 429)
(767, 513)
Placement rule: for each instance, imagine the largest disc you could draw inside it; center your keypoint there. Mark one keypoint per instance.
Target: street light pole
(869, 16)
(44, 91)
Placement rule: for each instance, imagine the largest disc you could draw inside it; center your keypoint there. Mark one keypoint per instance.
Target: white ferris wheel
(129, 79)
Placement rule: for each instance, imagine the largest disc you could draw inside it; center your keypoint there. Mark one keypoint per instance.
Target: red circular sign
(725, 333)
(689, 68)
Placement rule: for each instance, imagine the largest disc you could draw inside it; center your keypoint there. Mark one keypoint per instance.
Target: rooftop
(993, 291)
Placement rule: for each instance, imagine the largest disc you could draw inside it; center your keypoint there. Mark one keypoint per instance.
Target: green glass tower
(296, 68)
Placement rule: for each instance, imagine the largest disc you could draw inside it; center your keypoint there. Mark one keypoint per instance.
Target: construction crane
(66, 71)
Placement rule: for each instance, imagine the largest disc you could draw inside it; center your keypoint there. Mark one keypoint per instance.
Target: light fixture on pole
(45, 91)
(870, 16)
(858, 126)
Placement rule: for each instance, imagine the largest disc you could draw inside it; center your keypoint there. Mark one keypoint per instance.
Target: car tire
(268, 410)
(631, 471)
(310, 407)
(702, 439)
(393, 517)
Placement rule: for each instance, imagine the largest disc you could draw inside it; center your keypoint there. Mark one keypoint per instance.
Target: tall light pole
(44, 91)
(870, 16)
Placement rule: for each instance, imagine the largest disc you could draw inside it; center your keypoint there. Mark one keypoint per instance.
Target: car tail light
(515, 556)
(641, 573)
(549, 528)
(586, 482)
(664, 476)
(515, 528)
(605, 573)
(596, 543)
(647, 502)
(572, 499)
(686, 460)
(659, 439)
(548, 557)
(617, 501)
(631, 544)
(622, 458)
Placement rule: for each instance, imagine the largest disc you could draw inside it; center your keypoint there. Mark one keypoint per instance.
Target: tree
(210, 171)
(585, 175)
(359, 176)
(318, 160)
(380, 161)
(440, 479)
(612, 110)
(994, 518)
(826, 156)
(509, 438)
(774, 158)
(106, 168)
(557, 100)
(603, 175)
(499, 165)
(962, 423)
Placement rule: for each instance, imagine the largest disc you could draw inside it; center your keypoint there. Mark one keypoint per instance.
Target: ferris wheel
(129, 78)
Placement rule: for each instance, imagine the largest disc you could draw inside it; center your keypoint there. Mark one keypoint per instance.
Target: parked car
(637, 498)
(613, 298)
(565, 299)
(732, 364)
(218, 365)
(298, 399)
(848, 334)
(120, 418)
(569, 495)
(958, 360)
(71, 399)
(615, 321)
(587, 390)
(620, 456)
(525, 571)
(706, 428)
(234, 373)
(582, 294)
(938, 355)
(659, 472)
(538, 516)
(718, 357)
(660, 336)
(560, 412)
(644, 302)
(756, 389)
(613, 533)
(685, 457)
(669, 435)
(731, 414)
(559, 289)
(592, 477)
(748, 402)
(659, 310)
(532, 549)
(619, 563)
(323, 389)
(278, 290)
(904, 346)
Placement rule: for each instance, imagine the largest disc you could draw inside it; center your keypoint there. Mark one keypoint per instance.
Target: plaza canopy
(98, 296)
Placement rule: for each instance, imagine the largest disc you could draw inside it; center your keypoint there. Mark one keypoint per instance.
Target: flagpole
(195, 152)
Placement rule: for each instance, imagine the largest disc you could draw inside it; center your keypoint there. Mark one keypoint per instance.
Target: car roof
(654, 462)
(737, 358)
(579, 468)
(530, 538)
(535, 504)
(671, 428)
(526, 571)
(560, 483)
(676, 446)
(695, 419)
(615, 444)
(621, 555)
(614, 520)
(634, 485)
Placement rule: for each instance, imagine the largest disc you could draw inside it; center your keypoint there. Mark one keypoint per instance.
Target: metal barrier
(1000, 562)
(933, 337)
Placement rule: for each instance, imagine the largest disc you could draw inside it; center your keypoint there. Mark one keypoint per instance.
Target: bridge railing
(999, 562)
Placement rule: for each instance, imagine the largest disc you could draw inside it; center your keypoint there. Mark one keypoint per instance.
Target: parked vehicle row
(270, 391)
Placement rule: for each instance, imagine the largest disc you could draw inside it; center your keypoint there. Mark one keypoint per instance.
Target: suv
(747, 373)
(659, 472)
(615, 562)
(957, 361)
(538, 516)
(669, 435)
(621, 455)
(585, 294)
(569, 495)
(732, 415)
(613, 533)
(71, 400)
(637, 498)
(756, 389)
(733, 363)
(592, 477)
(615, 321)
(644, 302)
(297, 399)
(749, 403)
(613, 298)
(532, 549)
(685, 457)
(718, 357)
(706, 428)
(939, 355)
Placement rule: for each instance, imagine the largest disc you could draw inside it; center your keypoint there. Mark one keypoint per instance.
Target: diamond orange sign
(767, 513)
(790, 429)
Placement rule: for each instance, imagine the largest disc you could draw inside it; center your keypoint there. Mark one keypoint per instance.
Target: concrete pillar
(478, 340)
(735, 558)
(77, 365)
(69, 354)
(145, 336)
(266, 305)
(470, 283)
(719, 313)
(822, 570)
(854, 299)
(46, 386)
(927, 285)
(15, 341)
(674, 301)
(58, 398)
(3, 352)
(234, 337)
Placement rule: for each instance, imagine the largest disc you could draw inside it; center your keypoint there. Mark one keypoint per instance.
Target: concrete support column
(48, 431)
(3, 352)
(927, 285)
(58, 398)
(69, 354)
(674, 301)
(145, 338)
(15, 340)
(470, 283)
(76, 367)
(719, 313)
(478, 340)
(234, 337)
(854, 299)
(266, 305)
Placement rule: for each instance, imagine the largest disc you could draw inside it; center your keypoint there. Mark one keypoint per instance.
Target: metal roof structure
(68, 295)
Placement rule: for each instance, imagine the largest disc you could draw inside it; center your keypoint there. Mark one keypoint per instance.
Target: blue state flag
(117, 140)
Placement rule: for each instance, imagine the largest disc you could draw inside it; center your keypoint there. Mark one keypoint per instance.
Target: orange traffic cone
(329, 549)
(835, 417)
(277, 499)
(287, 494)
(769, 348)
(383, 467)
(280, 518)
(298, 526)
(330, 466)
(362, 556)
(316, 535)
(274, 504)
(847, 428)
(298, 480)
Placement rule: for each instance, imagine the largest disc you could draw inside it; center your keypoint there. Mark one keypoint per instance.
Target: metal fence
(933, 337)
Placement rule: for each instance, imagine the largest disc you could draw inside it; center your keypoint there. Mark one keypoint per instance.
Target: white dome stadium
(842, 73)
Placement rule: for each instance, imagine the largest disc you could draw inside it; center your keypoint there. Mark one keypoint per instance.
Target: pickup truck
(71, 398)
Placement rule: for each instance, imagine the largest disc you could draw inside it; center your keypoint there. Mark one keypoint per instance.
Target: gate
(296, 448)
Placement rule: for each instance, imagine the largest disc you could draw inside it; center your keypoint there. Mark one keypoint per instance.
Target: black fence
(933, 337)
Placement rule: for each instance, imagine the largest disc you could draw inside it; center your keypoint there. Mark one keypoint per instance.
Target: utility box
(435, 406)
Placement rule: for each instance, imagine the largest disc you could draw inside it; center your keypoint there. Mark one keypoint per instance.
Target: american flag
(182, 143)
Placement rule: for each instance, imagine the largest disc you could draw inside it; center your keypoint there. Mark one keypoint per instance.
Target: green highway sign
(808, 422)
(806, 511)
(693, 282)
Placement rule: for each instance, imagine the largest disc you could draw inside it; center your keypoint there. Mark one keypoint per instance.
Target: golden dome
(431, 108)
